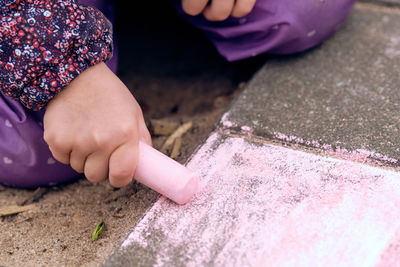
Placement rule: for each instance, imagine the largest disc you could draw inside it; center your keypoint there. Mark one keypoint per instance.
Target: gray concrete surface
(391, 3)
(342, 96)
(266, 205)
(262, 204)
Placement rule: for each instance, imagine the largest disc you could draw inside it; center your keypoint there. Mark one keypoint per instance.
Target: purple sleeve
(45, 44)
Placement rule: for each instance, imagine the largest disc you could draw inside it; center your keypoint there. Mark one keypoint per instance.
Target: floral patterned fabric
(44, 45)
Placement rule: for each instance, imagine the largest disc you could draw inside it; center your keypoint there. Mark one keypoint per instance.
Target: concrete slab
(342, 97)
(392, 3)
(261, 204)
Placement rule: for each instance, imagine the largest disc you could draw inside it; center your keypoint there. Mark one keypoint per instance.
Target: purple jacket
(45, 44)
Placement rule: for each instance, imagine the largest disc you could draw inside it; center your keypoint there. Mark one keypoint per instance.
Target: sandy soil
(175, 74)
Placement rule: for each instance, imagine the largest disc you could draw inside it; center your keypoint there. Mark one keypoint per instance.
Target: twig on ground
(118, 214)
(35, 196)
(10, 210)
(176, 148)
(178, 133)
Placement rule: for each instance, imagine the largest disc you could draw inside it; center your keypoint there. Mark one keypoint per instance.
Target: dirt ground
(175, 74)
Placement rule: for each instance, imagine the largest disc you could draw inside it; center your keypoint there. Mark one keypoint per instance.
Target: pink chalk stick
(165, 175)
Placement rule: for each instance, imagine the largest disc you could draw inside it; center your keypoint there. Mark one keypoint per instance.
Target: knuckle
(56, 141)
(101, 140)
(127, 132)
(82, 145)
(58, 144)
(106, 138)
(48, 136)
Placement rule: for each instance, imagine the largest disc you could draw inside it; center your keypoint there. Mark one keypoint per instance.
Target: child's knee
(25, 159)
(27, 162)
(276, 27)
(311, 22)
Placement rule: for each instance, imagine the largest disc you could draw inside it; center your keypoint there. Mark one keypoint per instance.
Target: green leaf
(97, 231)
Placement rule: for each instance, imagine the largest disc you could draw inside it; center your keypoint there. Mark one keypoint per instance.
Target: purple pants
(274, 27)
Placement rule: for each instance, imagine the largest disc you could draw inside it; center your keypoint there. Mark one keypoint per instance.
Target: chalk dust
(175, 74)
(295, 209)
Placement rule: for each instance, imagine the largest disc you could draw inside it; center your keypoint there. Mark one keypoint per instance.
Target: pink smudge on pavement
(358, 155)
(264, 205)
(227, 123)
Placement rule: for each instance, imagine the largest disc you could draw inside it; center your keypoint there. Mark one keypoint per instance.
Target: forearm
(46, 44)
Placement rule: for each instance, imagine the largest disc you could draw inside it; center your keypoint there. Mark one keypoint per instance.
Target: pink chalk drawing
(227, 123)
(268, 205)
(358, 155)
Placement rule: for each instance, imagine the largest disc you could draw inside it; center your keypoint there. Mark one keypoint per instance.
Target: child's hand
(218, 10)
(95, 125)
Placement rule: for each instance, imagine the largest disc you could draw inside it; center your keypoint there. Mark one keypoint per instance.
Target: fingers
(118, 166)
(102, 156)
(61, 150)
(243, 8)
(219, 10)
(194, 7)
(123, 163)
(96, 167)
(59, 155)
(77, 161)
(115, 161)
(85, 146)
